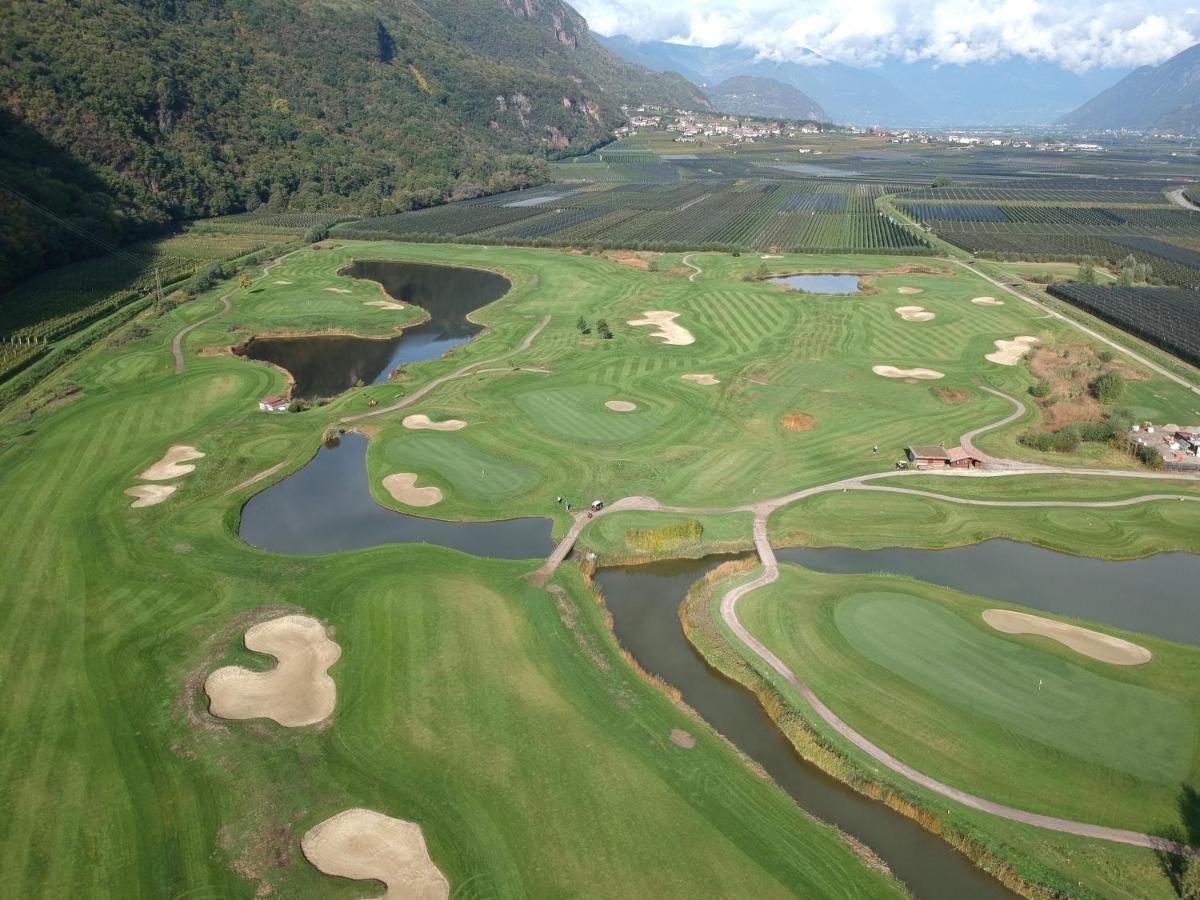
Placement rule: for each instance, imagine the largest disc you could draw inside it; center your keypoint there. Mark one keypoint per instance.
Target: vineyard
(1166, 317)
(760, 214)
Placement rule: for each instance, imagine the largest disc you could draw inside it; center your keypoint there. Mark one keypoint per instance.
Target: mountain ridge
(1166, 97)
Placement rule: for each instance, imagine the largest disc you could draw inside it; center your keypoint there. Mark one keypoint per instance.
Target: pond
(821, 284)
(644, 602)
(325, 365)
(327, 507)
(1154, 595)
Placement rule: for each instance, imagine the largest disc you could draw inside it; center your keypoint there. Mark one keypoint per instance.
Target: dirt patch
(681, 738)
(987, 301)
(1092, 644)
(364, 844)
(1009, 353)
(182, 548)
(1068, 369)
(149, 494)
(172, 463)
(620, 405)
(324, 245)
(670, 332)
(914, 313)
(893, 372)
(422, 422)
(707, 380)
(910, 290)
(384, 304)
(298, 691)
(952, 395)
(403, 488)
(334, 290)
(798, 421)
(633, 260)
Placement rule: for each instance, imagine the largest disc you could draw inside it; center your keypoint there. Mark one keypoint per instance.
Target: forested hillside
(1164, 97)
(126, 114)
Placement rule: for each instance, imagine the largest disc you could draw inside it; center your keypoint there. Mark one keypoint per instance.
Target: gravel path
(687, 261)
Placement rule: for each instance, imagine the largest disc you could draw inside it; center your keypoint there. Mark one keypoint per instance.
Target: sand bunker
(1009, 353)
(171, 465)
(338, 290)
(298, 691)
(681, 738)
(403, 488)
(383, 304)
(1093, 644)
(281, 281)
(770, 256)
(420, 422)
(149, 494)
(702, 379)
(914, 313)
(620, 405)
(910, 290)
(362, 844)
(893, 372)
(664, 320)
(987, 301)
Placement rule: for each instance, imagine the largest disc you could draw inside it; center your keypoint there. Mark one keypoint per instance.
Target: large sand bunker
(1094, 644)
(620, 405)
(914, 313)
(403, 488)
(987, 301)
(298, 691)
(1009, 353)
(338, 290)
(361, 844)
(702, 379)
(910, 290)
(149, 494)
(383, 304)
(172, 463)
(668, 330)
(422, 422)
(893, 372)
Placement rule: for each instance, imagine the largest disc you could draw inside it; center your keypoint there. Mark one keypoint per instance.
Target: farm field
(469, 699)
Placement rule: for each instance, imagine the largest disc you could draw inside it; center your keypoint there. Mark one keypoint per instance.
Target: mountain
(159, 110)
(744, 95)
(847, 94)
(1014, 91)
(1166, 96)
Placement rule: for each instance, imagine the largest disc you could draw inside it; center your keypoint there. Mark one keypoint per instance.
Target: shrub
(668, 537)
(1108, 387)
(1064, 441)
(1041, 389)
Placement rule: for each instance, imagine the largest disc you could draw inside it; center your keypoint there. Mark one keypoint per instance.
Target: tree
(1108, 387)
(582, 325)
(1087, 271)
(1189, 881)
(603, 330)
(244, 281)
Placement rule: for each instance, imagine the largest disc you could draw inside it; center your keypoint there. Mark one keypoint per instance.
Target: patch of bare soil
(681, 738)
(149, 494)
(632, 259)
(364, 844)
(798, 421)
(952, 395)
(298, 691)
(1093, 644)
(173, 463)
(403, 488)
(1067, 370)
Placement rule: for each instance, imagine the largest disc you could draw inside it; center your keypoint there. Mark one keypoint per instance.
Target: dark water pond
(327, 507)
(644, 601)
(1155, 595)
(326, 365)
(821, 284)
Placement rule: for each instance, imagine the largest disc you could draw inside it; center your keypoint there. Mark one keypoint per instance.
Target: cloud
(1076, 34)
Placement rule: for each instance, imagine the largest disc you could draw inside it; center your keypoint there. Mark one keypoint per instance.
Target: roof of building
(957, 453)
(930, 452)
(274, 399)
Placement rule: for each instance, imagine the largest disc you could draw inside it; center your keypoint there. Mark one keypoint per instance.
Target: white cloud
(1077, 34)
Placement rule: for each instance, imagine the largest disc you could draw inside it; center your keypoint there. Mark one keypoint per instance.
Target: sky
(1077, 34)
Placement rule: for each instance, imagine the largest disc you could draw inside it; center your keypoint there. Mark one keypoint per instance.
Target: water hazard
(327, 507)
(821, 284)
(644, 602)
(326, 365)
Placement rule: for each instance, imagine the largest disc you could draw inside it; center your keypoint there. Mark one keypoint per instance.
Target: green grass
(535, 759)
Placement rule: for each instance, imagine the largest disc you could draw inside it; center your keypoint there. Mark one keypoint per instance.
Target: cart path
(1180, 199)
(177, 342)
(769, 574)
(687, 261)
(1116, 345)
(465, 371)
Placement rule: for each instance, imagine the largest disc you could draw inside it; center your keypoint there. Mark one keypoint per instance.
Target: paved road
(1178, 198)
